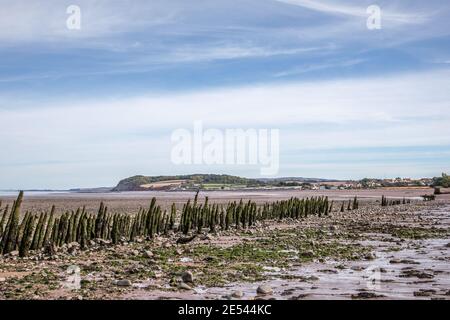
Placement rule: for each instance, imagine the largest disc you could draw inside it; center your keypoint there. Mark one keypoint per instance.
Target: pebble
(370, 256)
(148, 254)
(184, 286)
(264, 290)
(187, 276)
(124, 283)
(424, 293)
(308, 253)
(237, 294)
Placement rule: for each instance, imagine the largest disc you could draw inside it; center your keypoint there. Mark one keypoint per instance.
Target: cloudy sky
(85, 108)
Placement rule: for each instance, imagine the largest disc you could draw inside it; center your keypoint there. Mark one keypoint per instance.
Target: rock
(184, 240)
(84, 282)
(424, 293)
(73, 247)
(264, 289)
(50, 249)
(14, 253)
(187, 277)
(206, 237)
(329, 271)
(395, 261)
(184, 286)
(135, 253)
(308, 254)
(366, 295)
(2, 279)
(102, 242)
(357, 268)
(447, 245)
(370, 256)
(237, 294)
(124, 283)
(416, 273)
(148, 254)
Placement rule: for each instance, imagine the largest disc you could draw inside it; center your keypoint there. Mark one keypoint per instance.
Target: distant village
(318, 185)
(368, 184)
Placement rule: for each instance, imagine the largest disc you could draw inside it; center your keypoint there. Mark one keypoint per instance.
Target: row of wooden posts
(47, 230)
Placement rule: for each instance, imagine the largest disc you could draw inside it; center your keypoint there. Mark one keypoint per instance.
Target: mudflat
(374, 252)
(127, 202)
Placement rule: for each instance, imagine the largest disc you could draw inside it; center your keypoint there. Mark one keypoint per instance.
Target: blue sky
(82, 108)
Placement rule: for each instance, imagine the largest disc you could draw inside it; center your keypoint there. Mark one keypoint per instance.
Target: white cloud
(359, 10)
(131, 134)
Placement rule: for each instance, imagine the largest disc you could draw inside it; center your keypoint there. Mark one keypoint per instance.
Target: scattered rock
(366, 295)
(417, 274)
(299, 297)
(187, 277)
(370, 256)
(357, 268)
(264, 289)
(184, 286)
(308, 254)
(2, 279)
(73, 247)
(237, 294)
(14, 253)
(104, 242)
(148, 254)
(329, 271)
(403, 261)
(287, 292)
(184, 240)
(124, 283)
(424, 293)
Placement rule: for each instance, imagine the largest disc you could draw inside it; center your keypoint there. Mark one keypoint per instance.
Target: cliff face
(132, 183)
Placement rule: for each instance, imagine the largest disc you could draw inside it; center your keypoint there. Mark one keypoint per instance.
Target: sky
(87, 107)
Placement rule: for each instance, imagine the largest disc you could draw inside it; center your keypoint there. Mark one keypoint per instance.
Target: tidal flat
(372, 252)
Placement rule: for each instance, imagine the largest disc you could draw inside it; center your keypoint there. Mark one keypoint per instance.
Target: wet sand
(126, 202)
(398, 252)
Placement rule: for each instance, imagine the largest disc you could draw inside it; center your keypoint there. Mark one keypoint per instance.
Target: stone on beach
(264, 289)
(124, 283)
(187, 277)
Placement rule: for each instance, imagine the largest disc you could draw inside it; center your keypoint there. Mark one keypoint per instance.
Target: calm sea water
(31, 193)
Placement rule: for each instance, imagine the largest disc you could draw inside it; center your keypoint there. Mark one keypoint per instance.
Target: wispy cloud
(318, 66)
(359, 10)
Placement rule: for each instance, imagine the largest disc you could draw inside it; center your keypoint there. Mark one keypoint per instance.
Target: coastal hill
(203, 181)
(228, 182)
